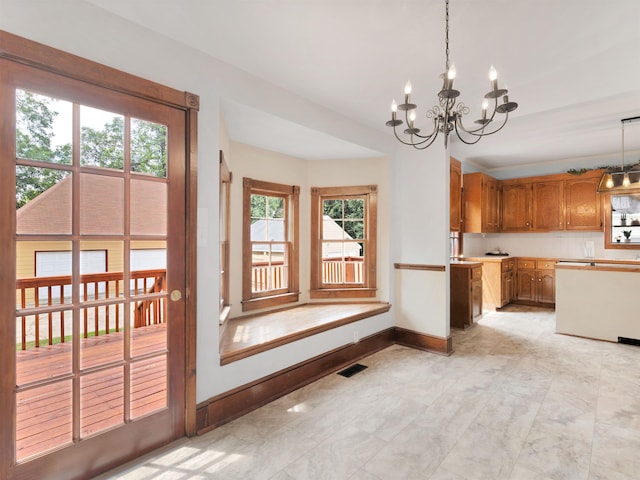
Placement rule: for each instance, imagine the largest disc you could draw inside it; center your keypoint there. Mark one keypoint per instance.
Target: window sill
(268, 302)
(265, 331)
(343, 293)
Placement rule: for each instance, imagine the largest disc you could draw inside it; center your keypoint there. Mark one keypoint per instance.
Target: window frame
(291, 193)
(367, 289)
(226, 177)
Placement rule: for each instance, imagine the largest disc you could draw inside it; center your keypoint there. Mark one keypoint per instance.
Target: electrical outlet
(356, 337)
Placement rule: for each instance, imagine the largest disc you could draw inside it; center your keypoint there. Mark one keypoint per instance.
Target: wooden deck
(44, 414)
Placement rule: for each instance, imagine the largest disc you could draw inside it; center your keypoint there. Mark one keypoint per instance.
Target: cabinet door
(506, 291)
(455, 194)
(548, 206)
(492, 202)
(476, 299)
(583, 204)
(516, 207)
(526, 286)
(546, 289)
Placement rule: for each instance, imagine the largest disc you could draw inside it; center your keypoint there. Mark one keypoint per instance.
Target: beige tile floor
(515, 401)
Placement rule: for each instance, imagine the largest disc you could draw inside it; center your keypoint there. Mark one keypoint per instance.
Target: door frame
(20, 50)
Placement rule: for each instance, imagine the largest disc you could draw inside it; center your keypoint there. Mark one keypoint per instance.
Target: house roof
(329, 249)
(101, 211)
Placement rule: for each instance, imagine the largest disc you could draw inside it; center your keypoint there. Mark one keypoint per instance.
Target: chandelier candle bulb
(493, 77)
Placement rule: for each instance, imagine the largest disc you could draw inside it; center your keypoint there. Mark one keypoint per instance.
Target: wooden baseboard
(230, 405)
(237, 402)
(421, 341)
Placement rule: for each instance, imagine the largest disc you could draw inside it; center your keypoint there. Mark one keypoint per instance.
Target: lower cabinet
(497, 281)
(465, 294)
(536, 281)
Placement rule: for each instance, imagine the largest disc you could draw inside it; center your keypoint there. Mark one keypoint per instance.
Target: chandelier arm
(481, 127)
(484, 134)
(432, 113)
(413, 144)
(420, 146)
(468, 142)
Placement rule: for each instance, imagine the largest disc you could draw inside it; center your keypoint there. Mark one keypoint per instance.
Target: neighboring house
(329, 249)
(50, 212)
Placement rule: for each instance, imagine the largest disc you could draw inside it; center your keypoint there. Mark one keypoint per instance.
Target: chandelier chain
(446, 36)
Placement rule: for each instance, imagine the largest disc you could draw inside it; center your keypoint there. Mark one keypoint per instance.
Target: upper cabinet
(481, 195)
(516, 206)
(534, 204)
(548, 206)
(455, 194)
(582, 203)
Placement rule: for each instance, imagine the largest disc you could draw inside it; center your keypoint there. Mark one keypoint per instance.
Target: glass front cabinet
(622, 220)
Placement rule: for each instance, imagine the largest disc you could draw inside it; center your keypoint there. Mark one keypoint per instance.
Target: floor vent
(352, 370)
(629, 341)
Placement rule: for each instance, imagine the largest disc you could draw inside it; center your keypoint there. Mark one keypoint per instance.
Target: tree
(103, 148)
(148, 148)
(34, 130)
(348, 213)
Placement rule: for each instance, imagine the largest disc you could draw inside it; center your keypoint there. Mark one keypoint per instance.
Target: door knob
(175, 295)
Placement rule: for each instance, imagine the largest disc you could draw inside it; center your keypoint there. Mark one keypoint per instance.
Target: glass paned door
(97, 228)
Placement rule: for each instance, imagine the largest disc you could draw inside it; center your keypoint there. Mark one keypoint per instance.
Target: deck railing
(334, 270)
(55, 324)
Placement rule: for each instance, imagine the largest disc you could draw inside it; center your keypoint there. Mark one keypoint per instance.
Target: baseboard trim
(230, 405)
(422, 341)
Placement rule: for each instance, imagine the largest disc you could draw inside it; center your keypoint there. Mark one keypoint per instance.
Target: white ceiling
(573, 66)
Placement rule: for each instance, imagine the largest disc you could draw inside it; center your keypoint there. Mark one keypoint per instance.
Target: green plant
(626, 233)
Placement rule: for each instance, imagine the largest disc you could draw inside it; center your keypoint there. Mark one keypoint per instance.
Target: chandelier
(447, 116)
(625, 177)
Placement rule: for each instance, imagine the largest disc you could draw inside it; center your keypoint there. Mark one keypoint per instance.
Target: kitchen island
(598, 299)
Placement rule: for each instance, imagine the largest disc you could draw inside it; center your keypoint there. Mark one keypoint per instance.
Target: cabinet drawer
(524, 264)
(476, 273)
(507, 265)
(545, 264)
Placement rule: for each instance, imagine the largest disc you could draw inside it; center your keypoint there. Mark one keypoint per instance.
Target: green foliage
(148, 148)
(259, 207)
(34, 130)
(348, 213)
(103, 148)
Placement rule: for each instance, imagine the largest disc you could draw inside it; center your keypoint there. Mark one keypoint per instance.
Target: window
(343, 241)
(270, 244)
(225, 193)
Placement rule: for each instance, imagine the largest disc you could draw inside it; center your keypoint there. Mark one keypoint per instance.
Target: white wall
(421, 226)
(92, 33)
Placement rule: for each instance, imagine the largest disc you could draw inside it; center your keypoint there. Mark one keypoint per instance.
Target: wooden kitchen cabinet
(497, 281)
(465, 294)
(535, 283)
(583, 203)
(481, 198)
(516, 206)
(507, 287)
(552, 202)
(455, 195)
(548, 206)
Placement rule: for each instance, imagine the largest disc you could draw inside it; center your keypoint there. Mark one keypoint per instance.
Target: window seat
(244, 336)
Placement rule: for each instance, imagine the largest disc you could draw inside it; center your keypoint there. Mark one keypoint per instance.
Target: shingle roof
(101, 208)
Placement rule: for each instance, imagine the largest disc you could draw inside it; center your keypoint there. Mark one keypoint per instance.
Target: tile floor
(515, 401)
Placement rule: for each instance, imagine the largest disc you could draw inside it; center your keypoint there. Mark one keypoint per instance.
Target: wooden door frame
(33, 54)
